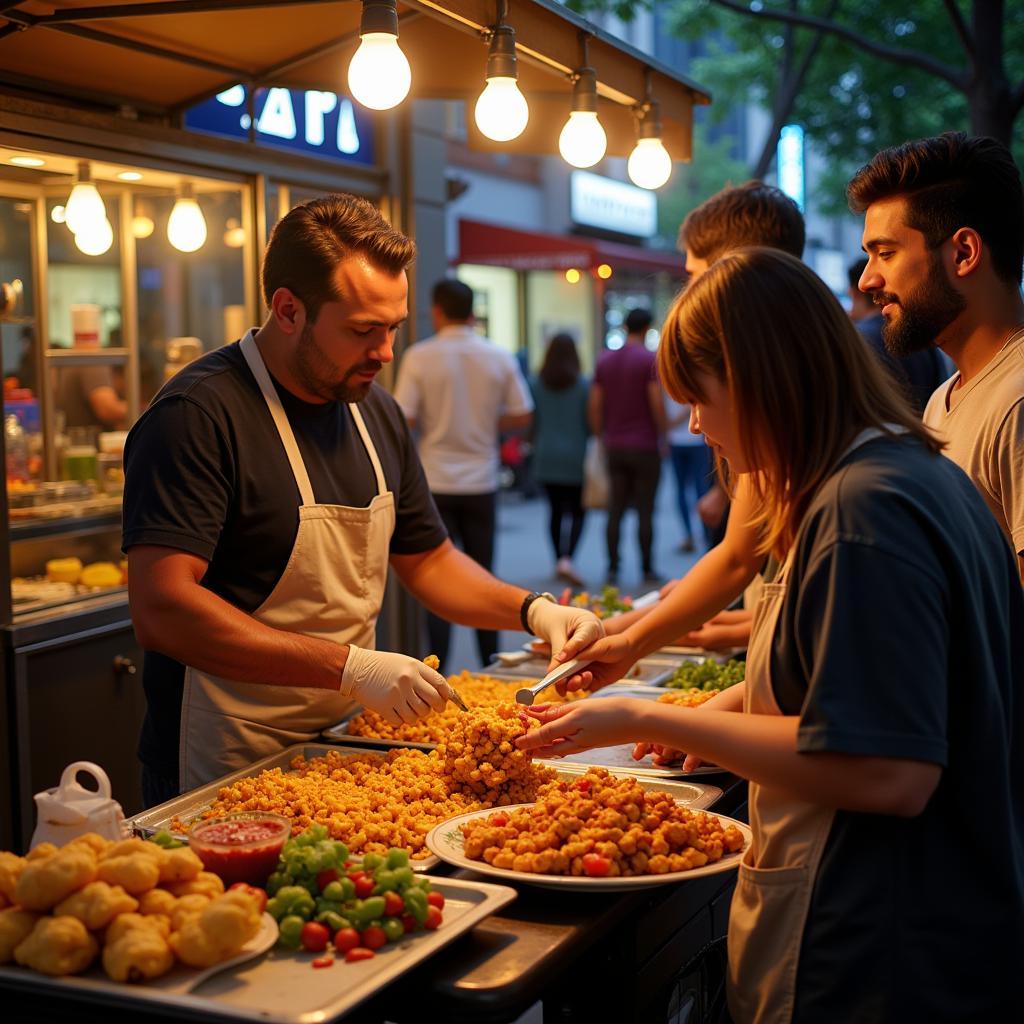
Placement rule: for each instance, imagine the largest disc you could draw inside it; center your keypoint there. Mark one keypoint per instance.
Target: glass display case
(112, 278)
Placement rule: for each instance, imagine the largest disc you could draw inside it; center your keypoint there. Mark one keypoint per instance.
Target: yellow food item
(134, 845)
(41, 852)
(135, 872)
(138, 955)
(179, 865)
(125, 923)
(101, 574)
(157, 901)
(432, 661)
(219, 931)
(46, 881)
(190, 905)
(637, 832)
(64, 570)
(11, 867)
(692, 698)
(57, 946)
(15, 926)
(94, 841)
(97, 904)
(205, 884)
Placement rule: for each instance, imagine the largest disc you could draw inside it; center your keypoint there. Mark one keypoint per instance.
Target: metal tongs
(528, 694)
(456, 699)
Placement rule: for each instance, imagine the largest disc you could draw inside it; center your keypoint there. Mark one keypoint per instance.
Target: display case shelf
(80, 524)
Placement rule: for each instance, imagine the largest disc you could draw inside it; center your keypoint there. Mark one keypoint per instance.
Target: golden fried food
(138, 955)
(41, 852)
(600, 825)
(11, 867)
(57, 946)
(180, 865)
(157, 901)
(692, 698)
(15, 926)
(133, 846)
(134, 872)
(97, 904)
(125, 923)
(188, 906)
(432, 661)
(219, 931)
(94, 841)
(46, 881)
(205, 884)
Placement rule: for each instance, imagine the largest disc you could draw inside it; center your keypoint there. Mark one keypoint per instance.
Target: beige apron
(332, 588)
(776, 877)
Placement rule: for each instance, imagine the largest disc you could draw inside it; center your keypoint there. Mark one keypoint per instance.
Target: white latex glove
(397, 687)
(568, 629)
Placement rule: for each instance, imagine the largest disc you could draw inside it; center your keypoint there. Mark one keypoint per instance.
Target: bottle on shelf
(16, 449)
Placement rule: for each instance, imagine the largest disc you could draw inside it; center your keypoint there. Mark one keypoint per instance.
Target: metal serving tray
(280, 986)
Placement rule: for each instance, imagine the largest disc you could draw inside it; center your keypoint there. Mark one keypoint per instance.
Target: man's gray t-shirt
(902, 636)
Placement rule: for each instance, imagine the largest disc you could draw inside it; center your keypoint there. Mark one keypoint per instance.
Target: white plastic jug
(71, 810)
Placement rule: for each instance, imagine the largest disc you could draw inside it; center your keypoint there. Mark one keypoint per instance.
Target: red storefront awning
(532, 250)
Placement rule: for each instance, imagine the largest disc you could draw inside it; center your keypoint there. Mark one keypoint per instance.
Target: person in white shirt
(460, 392)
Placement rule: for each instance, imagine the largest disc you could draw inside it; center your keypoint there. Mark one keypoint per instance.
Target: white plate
(446, 841)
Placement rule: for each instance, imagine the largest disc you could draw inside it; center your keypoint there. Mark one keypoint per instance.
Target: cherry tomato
(436, 899)
(325, 877)
(409, 923)
(583, 785)
(324, 961)
(374, 937)
(346, 939)
(499, 820)
(315, 936)
(359, 953)
(255, 891)
(433, 918)
(364, 887)
(394, 905)
(595, 865)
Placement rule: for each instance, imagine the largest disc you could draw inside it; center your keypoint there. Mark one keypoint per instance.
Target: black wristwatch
(524, 611)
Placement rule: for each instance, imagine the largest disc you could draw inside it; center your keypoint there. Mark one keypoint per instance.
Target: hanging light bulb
(379, 75)
(95, 239)
(234, 233)
(501, 112)
(142, 226)
(84, 207)
(186, 227)
(649, 164)
(583, 141)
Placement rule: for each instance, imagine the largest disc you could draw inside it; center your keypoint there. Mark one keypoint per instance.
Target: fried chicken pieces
(140, 905)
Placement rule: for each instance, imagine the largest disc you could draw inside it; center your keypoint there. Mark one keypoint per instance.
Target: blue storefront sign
(312, 122)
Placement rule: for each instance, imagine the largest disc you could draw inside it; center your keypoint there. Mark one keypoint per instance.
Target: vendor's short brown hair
(952, 181)
(311, 240)
(750, 214)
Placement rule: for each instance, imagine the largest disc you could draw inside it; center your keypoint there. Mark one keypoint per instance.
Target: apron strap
(284, 429)
(382, 486)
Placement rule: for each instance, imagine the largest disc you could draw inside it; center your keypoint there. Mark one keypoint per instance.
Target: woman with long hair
(559, 444)
(883, 676)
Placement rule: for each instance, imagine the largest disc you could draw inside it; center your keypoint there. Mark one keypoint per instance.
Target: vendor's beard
(925, 314)
(315, 372)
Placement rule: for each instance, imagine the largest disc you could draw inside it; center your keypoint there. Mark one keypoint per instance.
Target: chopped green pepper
(290, 931)
(291, 900)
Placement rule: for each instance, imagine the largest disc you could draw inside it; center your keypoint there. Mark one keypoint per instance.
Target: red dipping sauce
(241, 847)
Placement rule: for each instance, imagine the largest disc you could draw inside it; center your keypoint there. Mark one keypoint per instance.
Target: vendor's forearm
(763, 748)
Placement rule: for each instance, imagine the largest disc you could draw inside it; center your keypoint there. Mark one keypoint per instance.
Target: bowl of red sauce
(241, 847)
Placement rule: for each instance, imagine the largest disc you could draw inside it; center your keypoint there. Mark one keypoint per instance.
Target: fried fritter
(134, 872)
(97, 904)
(190, 905)
(57, 946)
(219, 932)
(11, 867)
(46, 881)
(139, 954)
(181, 865)
(94, 841)
(206, 883)
(125, 923)
(15, 926)
(157, 901)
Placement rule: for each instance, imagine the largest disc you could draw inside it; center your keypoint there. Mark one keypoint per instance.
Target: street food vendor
(268, 488)
(881, 716)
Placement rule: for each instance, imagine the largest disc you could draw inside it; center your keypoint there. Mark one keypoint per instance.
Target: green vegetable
(397, 859)
(393, 928)
(275, 881)
(362, 912)
(416, 904)
(340, 891)
(405, 877)
(707, 675)
(333, 920)
(386, 881)
(371, 862)
(166, 840)
(291, 901)
(290, 931)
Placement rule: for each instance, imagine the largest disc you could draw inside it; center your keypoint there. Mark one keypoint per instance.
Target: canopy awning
(162, 56)
(533, 250)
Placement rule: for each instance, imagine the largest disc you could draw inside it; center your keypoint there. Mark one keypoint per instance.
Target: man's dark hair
(952, 181)
(638, 320)
(310, 241)
(453, 298)
(855, 271)
(750, 214)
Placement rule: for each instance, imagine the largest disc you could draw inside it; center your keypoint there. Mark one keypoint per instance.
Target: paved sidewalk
(524, 556)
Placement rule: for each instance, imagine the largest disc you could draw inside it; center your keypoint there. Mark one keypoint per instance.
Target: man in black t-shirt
(268, 489)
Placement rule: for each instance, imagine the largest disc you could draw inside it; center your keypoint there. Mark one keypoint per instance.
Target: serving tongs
(456, 699)
(528, 694)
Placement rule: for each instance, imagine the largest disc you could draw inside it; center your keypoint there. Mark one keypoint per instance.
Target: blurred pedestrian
(460, 392)
(917, 373)
(692, 466)
(559, 444)
(944, 234)
(627, 410)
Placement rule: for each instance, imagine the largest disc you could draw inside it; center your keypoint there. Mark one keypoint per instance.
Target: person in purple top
(626, 410)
